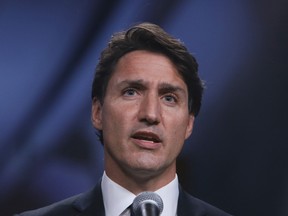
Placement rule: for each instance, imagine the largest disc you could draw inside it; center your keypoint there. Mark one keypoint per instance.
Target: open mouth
(147, 136)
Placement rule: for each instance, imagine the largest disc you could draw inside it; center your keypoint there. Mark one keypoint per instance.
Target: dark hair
(150, 37)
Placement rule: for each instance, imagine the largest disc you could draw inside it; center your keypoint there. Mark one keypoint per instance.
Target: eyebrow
(133, 83)
(168, 87)
(162, 88)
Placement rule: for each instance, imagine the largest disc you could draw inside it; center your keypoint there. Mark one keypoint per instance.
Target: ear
(190, 125)
(96, 114)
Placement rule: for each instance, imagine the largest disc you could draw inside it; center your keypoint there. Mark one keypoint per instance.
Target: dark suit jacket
(91, 204)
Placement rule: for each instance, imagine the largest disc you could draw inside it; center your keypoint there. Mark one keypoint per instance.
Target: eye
(170, 98)
(129, 92)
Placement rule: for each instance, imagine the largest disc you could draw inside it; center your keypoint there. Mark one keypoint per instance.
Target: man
(146, 94)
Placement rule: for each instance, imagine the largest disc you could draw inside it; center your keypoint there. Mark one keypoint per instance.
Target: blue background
(236, 157)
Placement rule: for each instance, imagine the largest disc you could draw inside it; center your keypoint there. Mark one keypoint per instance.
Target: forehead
(148, 66)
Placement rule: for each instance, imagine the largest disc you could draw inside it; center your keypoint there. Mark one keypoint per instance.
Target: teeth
(147, 139)
(150, 141)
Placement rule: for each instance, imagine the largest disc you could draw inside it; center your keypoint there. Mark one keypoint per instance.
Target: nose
(150, 110)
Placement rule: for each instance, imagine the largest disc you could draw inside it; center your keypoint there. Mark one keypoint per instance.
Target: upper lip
(146, 135)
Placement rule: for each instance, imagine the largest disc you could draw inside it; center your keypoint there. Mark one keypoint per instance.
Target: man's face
(144, 116)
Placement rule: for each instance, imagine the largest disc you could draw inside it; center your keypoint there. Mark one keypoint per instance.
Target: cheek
(178, 129)
(111, 120)
(115, 122)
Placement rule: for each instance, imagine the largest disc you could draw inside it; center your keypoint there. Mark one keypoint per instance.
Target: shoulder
(189, 205)
(63, 207)
(71, 205)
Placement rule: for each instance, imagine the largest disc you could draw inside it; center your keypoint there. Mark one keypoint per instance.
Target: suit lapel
(187, 205)
(191, 206)
(91, 203)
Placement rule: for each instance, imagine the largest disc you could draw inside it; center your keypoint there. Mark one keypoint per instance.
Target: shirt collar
(169, 194)
(116, 198)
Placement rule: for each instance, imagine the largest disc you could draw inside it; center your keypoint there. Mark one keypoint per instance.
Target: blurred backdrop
(237, 156)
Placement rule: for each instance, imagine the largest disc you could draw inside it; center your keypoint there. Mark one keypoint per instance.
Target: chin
(149, 170)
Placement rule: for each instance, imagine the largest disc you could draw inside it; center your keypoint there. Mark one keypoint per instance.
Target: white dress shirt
(116, 198)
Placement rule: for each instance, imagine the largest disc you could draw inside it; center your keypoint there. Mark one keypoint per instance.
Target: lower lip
(146, 144)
